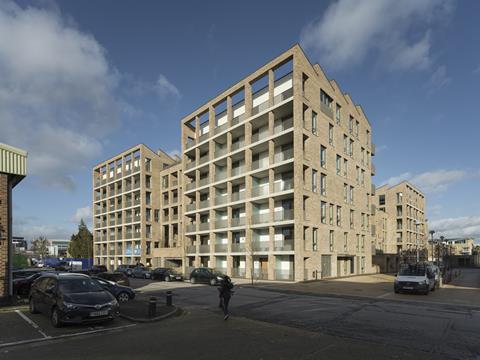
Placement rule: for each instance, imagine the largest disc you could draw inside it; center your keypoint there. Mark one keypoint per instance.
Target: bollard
(169, 298)
(152, 307)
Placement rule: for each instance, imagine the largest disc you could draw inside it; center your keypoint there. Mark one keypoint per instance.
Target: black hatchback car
(121, 293)
(72, 298)
(165, 274)
(206, 276)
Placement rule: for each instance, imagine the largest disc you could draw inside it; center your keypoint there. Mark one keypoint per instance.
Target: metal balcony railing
(219, 224)
(190, 165)
(204, 181)
(190, 143)
(191, 249)
(221, 151)
(204, 204)
(203, 159)
(283, 186)
(238, 247)
(259, 136)
(260, 190)
(236, 196)
(191, 227)
(238, 221)
(191, 207)
(283, 155)
(220, 175)
(204, 226)
(239, 170)
(220, 128)
(283, 215)
(204, 249)
(284, 245)
(190, 186)
(221, 248)
(283, 96)
(237, 145)
(261, 245)
(283, 125)
(220, 200)
(260, 164)
(260, 218)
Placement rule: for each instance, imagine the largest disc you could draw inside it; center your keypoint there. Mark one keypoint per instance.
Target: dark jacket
(224, 290)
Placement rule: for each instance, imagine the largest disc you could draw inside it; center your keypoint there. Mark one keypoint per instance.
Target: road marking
(63, 336)
(32, 323)
(384, 295)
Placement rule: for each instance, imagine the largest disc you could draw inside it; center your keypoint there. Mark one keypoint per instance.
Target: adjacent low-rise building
(13, 168)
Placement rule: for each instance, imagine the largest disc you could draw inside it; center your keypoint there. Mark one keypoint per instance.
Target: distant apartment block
(277, 175)
(126, 207)
(274, 183)
(461, 246)
(400, 219)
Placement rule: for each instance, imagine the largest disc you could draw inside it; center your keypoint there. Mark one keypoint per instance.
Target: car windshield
(412, 270)
(78, 285)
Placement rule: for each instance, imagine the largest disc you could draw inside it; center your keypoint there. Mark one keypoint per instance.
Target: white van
(417, 277)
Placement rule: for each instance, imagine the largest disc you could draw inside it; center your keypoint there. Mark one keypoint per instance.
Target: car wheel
(433, 288)
(192, 280)
(396, 291)
(213, 282)
(123, 297)
(31, 307)
(55, 319)
(426, 292)
(167, 278)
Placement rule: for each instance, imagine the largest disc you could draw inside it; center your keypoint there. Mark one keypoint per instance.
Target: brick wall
(3, 233)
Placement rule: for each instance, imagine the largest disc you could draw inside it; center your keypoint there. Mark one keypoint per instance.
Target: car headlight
(70, 306)
(219, 278)
(114, 302)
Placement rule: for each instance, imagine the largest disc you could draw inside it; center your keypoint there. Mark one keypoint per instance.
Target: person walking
(225, 293)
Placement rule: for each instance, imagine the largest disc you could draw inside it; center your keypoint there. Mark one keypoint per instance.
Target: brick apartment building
(13, 168)
(275, 182)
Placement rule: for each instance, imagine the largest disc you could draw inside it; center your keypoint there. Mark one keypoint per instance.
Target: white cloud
(50, 231)
(439, 79)
(165, 88)
(56, 92)
(430, 181)
(467, 226)
(351, 29)
(84, 213)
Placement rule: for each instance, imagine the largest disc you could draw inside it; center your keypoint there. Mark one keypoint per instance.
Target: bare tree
(40, 246)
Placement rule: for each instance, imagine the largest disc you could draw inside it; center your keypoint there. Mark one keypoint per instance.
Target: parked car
(126, 269)
(141, 272)
(419, 277)
(206, 276)
(165, 274)
(121, 293)
(71, 298)
(96, 269)
(116, 277)
(22, 285)
(23, 273)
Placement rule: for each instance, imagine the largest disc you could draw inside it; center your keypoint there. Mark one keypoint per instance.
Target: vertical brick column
(4, 231)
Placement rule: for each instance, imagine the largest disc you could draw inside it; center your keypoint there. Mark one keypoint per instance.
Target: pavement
(270, 322)
(205, 335)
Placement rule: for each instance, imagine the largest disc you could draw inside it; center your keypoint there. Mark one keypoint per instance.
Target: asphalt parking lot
(18, 327)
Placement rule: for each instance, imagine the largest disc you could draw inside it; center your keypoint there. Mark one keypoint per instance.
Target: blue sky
(81, 81)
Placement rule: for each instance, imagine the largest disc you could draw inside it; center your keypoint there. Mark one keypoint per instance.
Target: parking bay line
(32, 323)
(24, 342)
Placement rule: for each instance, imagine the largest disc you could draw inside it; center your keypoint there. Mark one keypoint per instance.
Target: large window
(339, 164)
(314, 122)
(325, 99)
(331, 240)
(323, 184)
(323, 156)
(330, 134)
(323, 212)
(314, 180)
(338, 113)
(315, 239)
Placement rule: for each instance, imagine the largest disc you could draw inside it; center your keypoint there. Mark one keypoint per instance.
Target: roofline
(403, 182)
(131, 148)
(14, 149)
(295, 46)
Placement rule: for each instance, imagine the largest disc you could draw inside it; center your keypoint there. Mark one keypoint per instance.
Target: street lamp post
(433, 251)
(417, 223)
(441, 242)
